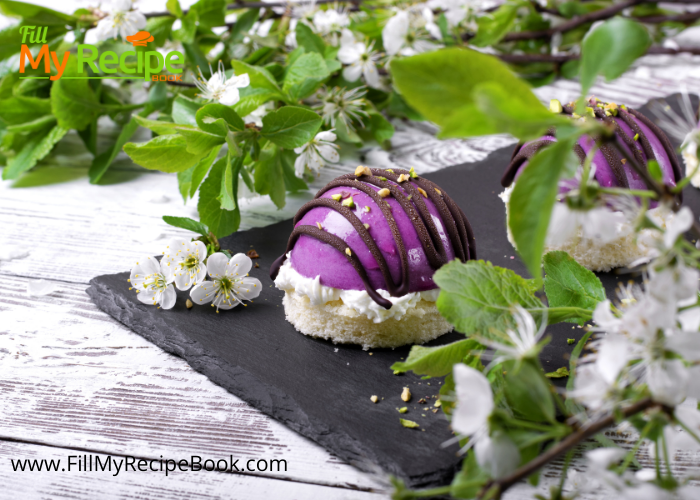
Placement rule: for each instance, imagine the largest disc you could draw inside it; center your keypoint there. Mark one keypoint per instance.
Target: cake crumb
(189, 304)
(374, 399)
(252, 254)
(406, 394)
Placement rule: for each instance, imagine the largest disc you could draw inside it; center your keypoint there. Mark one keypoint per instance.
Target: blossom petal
(203, 293)
(239, 265)
(326, 135)
(201, 274)
(348, 54)
(474, 400)
(182, 280)
(216, 265)
(146, 296)
(497, 455)
(352, 73)
(230, 97)
(329, 153)
(249, 288)
(168, 298)
(394, 33)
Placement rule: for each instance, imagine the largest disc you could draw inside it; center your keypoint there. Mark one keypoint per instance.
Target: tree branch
(259, 5)
(567, 443)
(562, 58)
(685, 17)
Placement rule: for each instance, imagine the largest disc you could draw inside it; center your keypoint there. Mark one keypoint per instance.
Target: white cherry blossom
(152, 281)
(474, 401)
(121, 21)
(403, 35)
(360, 60)
(517, 343)
(187, 260)
(230, 283)
(220, 89)
(497, 455)
(317, 153)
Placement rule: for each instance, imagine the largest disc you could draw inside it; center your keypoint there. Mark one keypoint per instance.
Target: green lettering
(122, 62)
(108, 57)
(89, 59)
(174, 57)
(153, 69)
(139, 62)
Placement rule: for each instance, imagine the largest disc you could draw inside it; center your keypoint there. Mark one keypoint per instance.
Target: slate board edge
(247, 387)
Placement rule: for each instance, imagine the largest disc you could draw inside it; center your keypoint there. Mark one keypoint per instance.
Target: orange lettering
(25, 54)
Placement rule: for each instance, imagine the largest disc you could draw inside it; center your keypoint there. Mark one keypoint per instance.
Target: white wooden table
(73, 381)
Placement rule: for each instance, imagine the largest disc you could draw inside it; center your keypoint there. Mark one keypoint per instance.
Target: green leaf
(73, 102)
(476, 296)
(220, 222)
(34, 125)
(436, 361)
(610, 49)
(494, 26)
(167, 153)
(187, 223)
(158, 95)
(200, 170)
(569, 284)
(381, 128)
(309, 40)
(572, 406)
(305, 75)
(269, 175)
(291, 181)
(244, 23)
(253, 98)
(442, 86)
(16, 110)
(259, 77)
(291, 126)
(533, 198)
(528, 393)
(174, 8)
(209, 13)
(35, 14)
(160, 127)
(33, 151)
(198, 142)
(161, 29)
(217, 118)
(185, 111)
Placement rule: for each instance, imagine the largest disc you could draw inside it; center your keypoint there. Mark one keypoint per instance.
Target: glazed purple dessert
(378, 230)
(640, 138)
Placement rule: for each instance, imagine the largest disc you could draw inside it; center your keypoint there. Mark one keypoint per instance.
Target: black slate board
(304, 383)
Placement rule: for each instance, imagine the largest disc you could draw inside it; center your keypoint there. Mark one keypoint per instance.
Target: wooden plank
(71, 376)
(148, 484)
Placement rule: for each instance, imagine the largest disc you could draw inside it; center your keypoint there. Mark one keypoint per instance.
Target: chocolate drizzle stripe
(340, 245)
(643, 139)
(665, 142)
(362, 231)
(524, 153)
(427, 236)
(455, 223)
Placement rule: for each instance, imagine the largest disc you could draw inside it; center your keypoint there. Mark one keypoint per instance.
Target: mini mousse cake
(644, 141)
(360, 261)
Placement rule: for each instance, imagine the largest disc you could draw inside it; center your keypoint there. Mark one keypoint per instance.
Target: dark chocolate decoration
(523, 153)
(456, 224)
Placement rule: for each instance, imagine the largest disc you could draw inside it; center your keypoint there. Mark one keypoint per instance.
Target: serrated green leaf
(16, 110)
(35, 14)
(381, 128)
(291, 126)
(436, 361)
(532, 200)
(476, 296)
(243, 25)
(528, 393)
(198, 142)
(201, 169)
(160, 127)
(34, 125)
(441, 85)
(167, 153)
(73, 102)
(610, 49)
(309, 40)
(33, 151)
(305, 75)
(291, 181)
(259, 77)
(253, 98)
(569, 284)
(217, 118)
(174, 8)
(495, 25)
(220, 222)
(209, 13)
(185, 111)
(269, 175)
(187, 223)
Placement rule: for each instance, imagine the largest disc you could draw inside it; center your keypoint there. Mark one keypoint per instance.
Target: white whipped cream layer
(292, 282)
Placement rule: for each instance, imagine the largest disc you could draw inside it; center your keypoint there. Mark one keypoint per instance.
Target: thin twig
(562, 58)
(567, 443)
(259, 5)
(685, 17)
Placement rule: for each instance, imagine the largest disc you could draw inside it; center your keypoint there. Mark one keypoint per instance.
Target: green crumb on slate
(402, 410)
(397, 372)
(570, 341)
(560, 373)
(409, 423)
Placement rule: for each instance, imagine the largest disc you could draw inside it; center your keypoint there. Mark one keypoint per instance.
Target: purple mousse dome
(378, 230)
(640, 138)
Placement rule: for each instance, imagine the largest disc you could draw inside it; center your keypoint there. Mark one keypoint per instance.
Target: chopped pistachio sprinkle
(348, 202)
(570, 341)
(382, 178)
(384, 192)
(403, 178)
(409, 423)
(636, 137)
(389, 170)
(559, 373)
(319, 226)
(361, 170)
(422, 191)
(366, 226)
(189, 304)
(413, 173)
(402, 410)
(348, 252)
(406, 394)
(438, 404)
(555, 106)
(374, 399)
(337, 197)
(367, 209)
